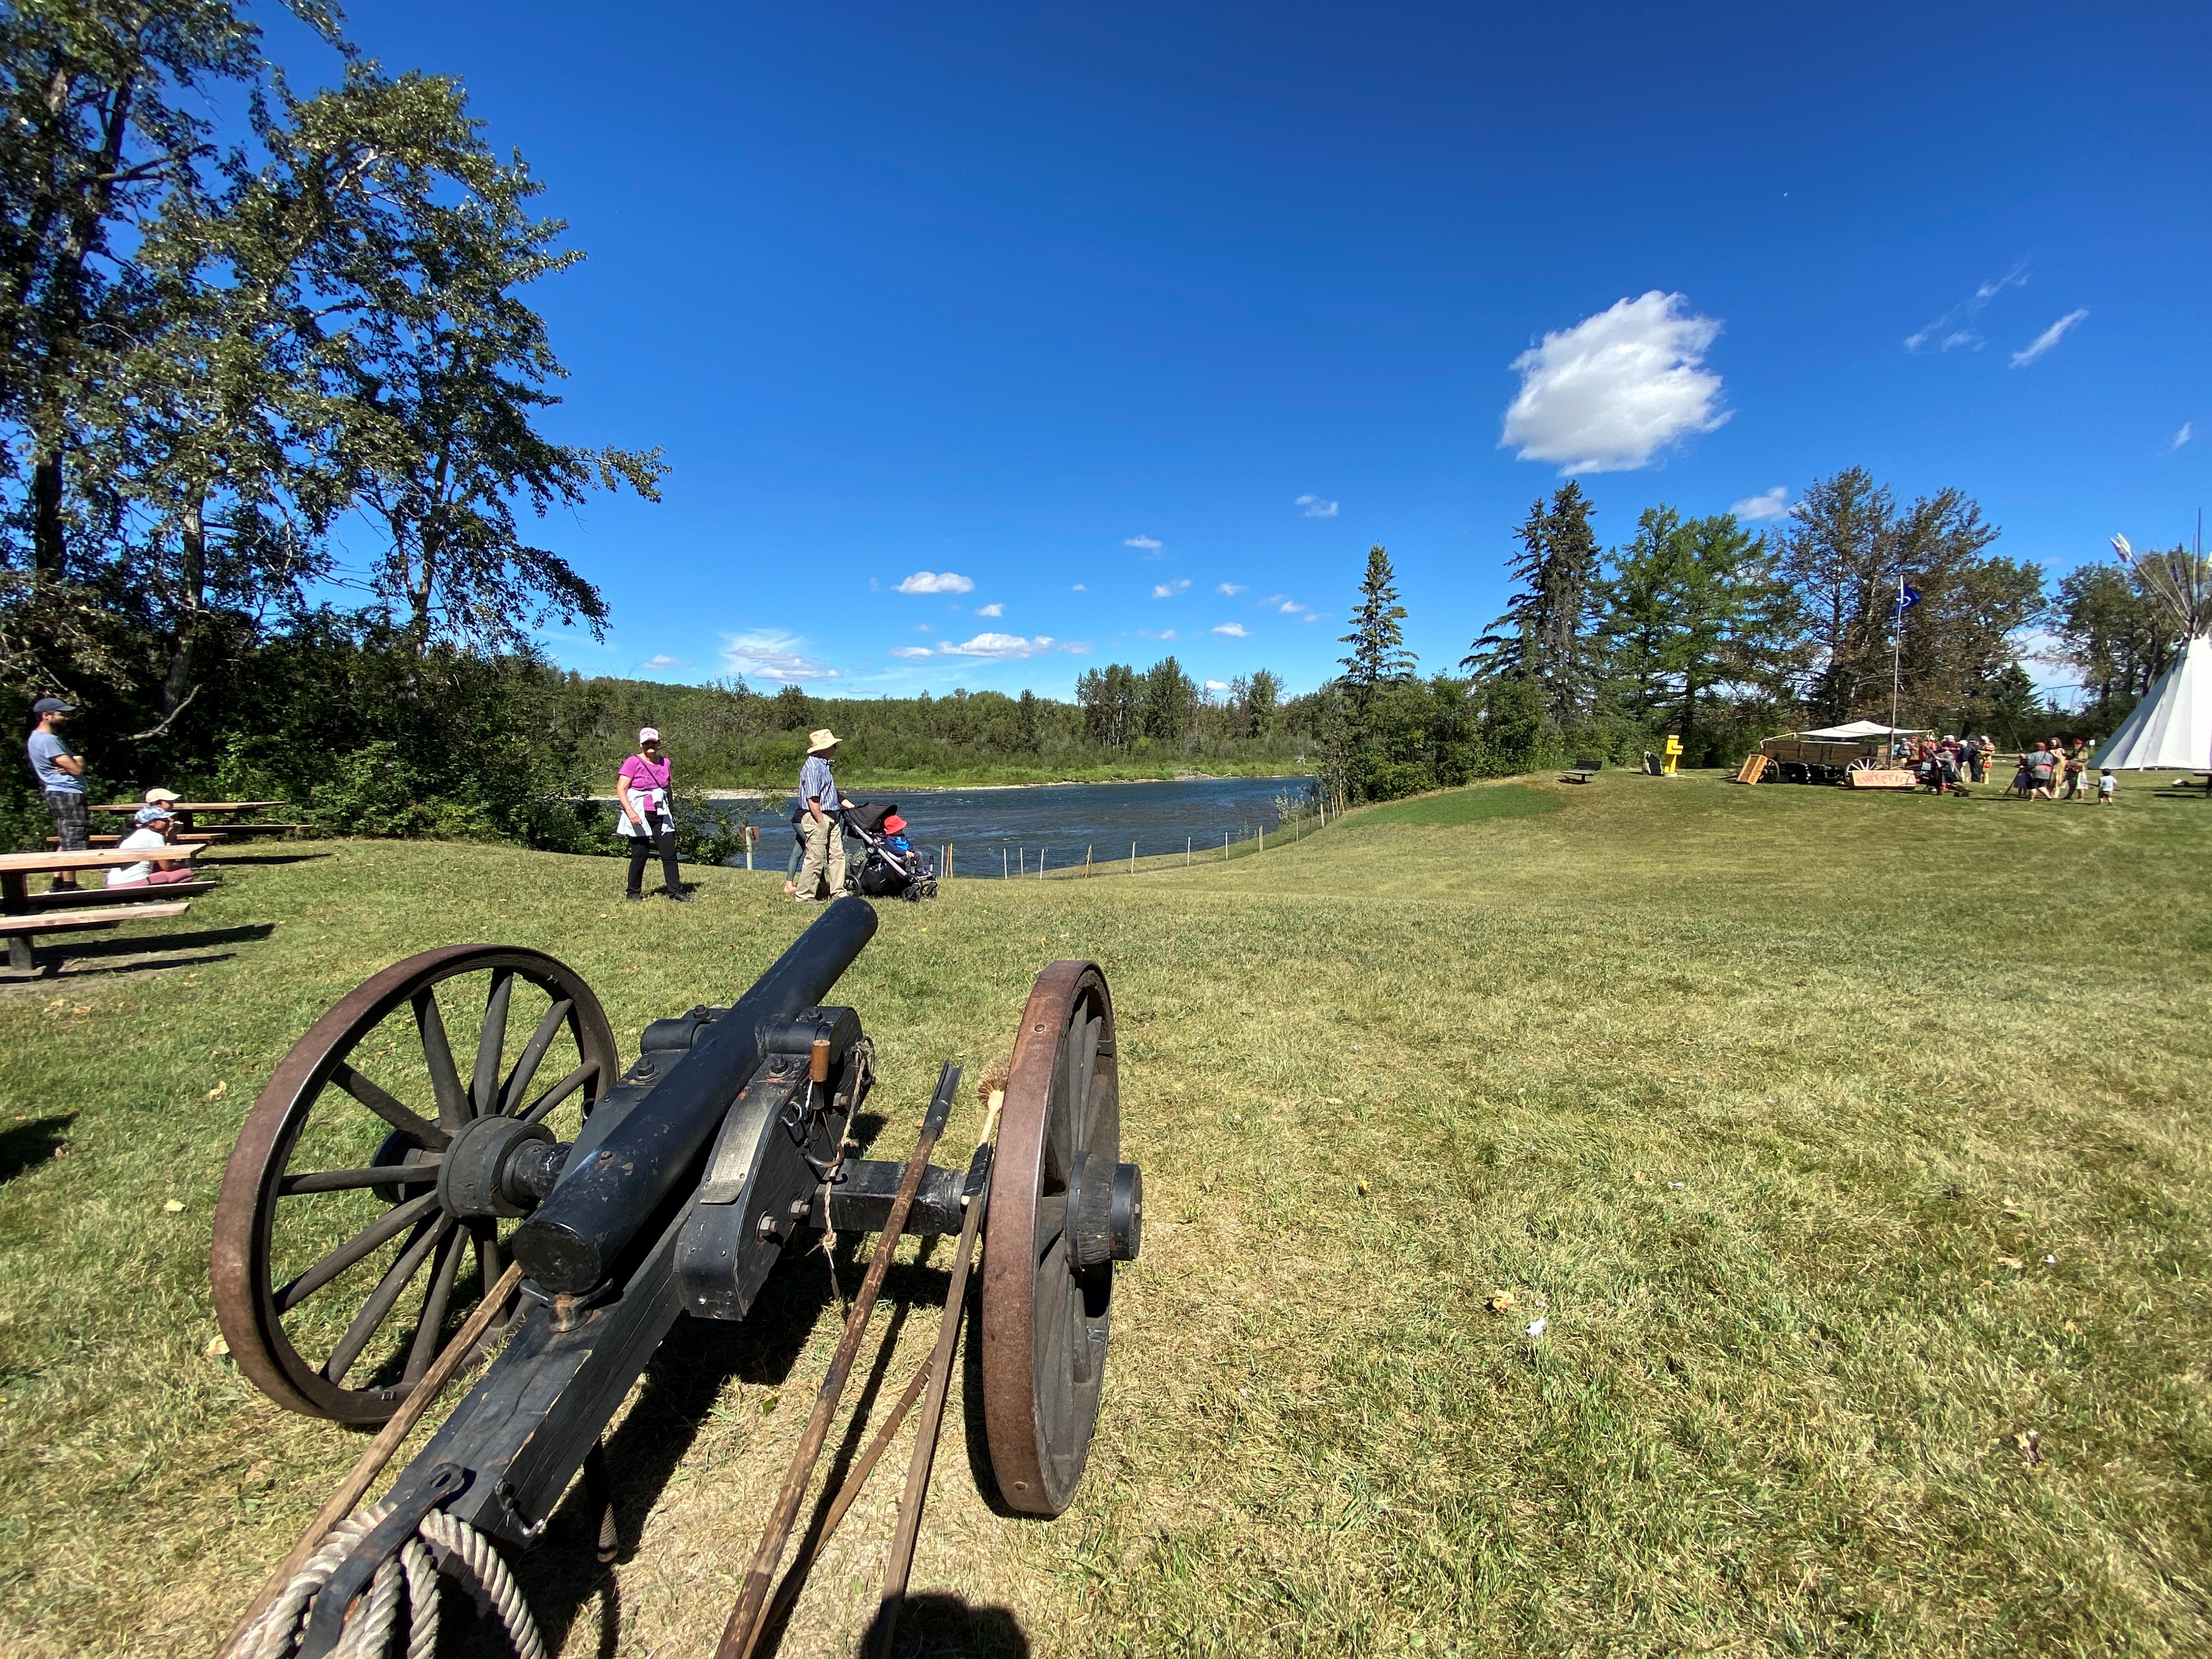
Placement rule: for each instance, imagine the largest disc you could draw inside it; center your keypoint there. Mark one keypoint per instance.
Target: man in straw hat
(819, 824)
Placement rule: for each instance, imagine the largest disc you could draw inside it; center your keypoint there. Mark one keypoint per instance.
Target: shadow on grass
(938, 1627)
(205, 860)
(27, 1146)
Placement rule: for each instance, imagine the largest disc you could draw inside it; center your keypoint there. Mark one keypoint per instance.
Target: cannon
(453, 1158)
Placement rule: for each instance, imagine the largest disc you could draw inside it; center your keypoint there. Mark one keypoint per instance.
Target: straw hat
(821, 740)
(162, 798)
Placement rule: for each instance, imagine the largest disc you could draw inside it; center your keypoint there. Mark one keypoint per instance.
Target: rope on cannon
(410, 1573)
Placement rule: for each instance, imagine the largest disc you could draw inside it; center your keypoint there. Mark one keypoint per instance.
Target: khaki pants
(825, 855)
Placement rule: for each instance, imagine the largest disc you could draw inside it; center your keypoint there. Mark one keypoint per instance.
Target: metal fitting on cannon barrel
(597, 1209)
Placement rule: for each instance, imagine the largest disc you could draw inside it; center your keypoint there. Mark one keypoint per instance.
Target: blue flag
(1907, 596)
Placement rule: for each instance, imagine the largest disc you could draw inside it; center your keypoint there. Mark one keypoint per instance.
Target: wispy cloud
(1315, 507)
(1146, 543)
(994, 610)
(771, 653)
(2188, 428)
(1767, 504)
(1078, 588)
(1290, 607)
(936, 581)
(2050, 338)
(1231, 590)
(1168, 590)
(1165, 633)
(1611, 392)
(998, 648)
(1235, 630)
(662, 659)
(1951, 331)
(912, 653)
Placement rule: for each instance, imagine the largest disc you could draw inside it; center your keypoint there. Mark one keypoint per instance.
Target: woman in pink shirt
(641, 791)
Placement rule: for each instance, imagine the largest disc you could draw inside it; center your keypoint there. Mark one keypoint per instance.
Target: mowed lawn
(1851, 1150)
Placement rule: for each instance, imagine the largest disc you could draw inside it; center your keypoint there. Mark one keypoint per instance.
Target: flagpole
(1896, 654)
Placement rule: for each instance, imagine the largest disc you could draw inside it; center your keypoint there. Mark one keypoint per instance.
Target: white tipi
(2171, 729)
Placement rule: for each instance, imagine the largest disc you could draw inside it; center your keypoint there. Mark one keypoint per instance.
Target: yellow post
(1673, 754)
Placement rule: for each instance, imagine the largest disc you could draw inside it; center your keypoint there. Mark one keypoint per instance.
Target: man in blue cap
(60, 771)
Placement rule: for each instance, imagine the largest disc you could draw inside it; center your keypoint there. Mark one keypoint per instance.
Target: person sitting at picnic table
(151, 826)
(60, 771)
(642, 792)
(820, 821)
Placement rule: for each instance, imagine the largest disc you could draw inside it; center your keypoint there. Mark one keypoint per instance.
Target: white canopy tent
(2171, 729)
(1863, 729)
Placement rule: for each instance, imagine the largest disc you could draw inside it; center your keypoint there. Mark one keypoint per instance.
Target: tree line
(1719, 635)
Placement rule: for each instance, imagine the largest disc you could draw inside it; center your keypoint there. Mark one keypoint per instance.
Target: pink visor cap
(648, 734)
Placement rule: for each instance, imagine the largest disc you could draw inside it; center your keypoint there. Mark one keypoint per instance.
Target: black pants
(663, 842)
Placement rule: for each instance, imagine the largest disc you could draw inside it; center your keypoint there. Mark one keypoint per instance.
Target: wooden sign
(1873, 780)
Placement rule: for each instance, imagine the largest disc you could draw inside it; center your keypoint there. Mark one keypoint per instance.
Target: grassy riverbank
(1842, 1143)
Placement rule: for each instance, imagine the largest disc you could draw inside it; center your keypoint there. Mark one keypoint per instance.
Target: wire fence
(1021, 861)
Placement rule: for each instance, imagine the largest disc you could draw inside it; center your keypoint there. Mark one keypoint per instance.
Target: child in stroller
(890, 868)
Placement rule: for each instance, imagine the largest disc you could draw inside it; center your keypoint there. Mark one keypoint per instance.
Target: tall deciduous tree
(1546, 637)
(1170, 703)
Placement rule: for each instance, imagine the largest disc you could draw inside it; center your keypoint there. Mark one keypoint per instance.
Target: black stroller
(882, 871)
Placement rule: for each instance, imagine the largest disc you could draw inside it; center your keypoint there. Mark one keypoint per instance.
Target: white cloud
(662, 659)
(1235, 630)
(999, 647)
(936, 581)
(1290, 607)
(912, 653)
(2050, 338)
(1952, 325)
(990, 609)
(1147, 634)
(1609, 394)
(1313, 616)
(1231, 590)
(1767, 504)
(1315, 507)
(1168, 590)
(771, 653)
(1216, 685)
(2183, 436)
(1144, 542)
(1078, 588)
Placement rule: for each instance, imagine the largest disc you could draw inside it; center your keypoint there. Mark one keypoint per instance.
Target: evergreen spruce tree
(1378, 643)
(1544, 636)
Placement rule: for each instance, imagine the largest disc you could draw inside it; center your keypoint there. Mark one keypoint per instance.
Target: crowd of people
(2055, 770)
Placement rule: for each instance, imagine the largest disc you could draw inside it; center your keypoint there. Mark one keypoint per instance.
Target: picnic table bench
(1583, 770)
(21, 918)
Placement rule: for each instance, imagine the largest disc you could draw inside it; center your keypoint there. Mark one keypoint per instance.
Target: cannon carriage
(454, 1154)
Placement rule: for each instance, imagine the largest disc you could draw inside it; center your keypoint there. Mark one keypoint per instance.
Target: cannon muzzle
(567, 1247)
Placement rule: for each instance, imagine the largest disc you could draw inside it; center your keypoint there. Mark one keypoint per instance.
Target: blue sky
(1143, 322)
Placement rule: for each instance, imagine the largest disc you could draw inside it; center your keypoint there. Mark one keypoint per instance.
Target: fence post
(1086, 860)
(1040, 864)
(1185, 852)
(1004, 869)
(1263, 837)
(1132, 858)
(1224, 846)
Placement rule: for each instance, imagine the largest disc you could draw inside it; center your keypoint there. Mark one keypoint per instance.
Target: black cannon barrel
(598, 1209)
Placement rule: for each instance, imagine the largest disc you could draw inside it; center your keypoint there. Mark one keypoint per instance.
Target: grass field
(1841, 1143)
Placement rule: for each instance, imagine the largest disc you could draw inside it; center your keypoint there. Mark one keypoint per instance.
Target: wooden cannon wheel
(335, 1203)
(1045, 1314)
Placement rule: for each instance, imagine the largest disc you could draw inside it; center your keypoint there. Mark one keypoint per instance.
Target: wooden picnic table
(18, 922)
(186, 810)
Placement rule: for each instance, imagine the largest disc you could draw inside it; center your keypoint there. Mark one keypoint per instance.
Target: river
(1061, 820)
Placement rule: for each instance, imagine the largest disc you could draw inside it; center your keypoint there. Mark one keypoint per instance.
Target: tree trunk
(176, 684)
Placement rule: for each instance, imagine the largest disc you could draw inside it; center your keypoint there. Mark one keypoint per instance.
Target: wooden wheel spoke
(1083, 1113)
(394, 1222)
(1051, 1224)
(378, 1306)
(561, 1090)
(491, 1044)
(438, 1054)
(420, 1130)
(490, 1263)
(429, 1328)
(339, 1181)
(533, 1054)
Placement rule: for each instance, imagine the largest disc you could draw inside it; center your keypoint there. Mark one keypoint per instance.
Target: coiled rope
(410, 1572)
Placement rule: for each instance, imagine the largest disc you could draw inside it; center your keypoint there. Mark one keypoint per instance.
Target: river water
(1061, 820)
